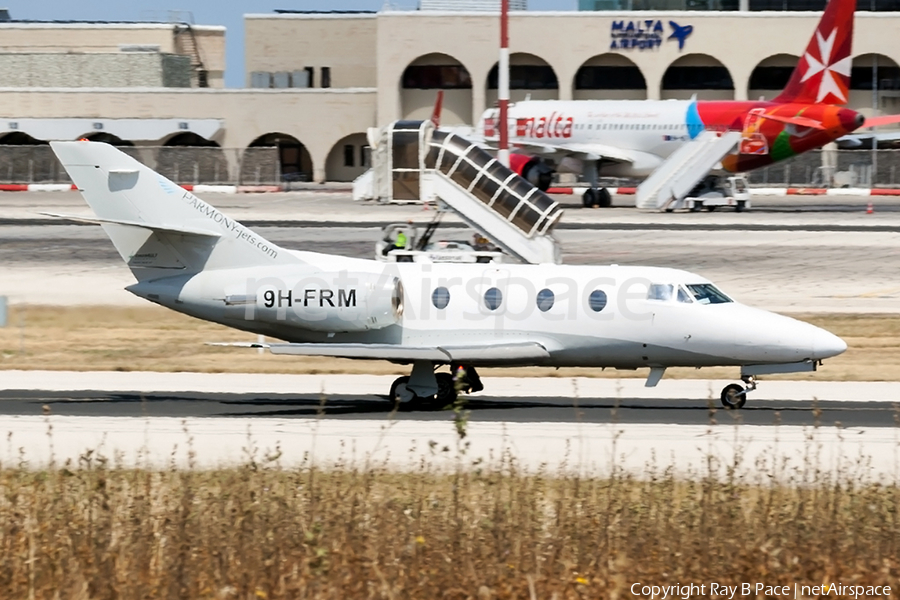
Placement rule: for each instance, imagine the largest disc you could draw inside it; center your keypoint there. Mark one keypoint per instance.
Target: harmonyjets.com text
(796, 591)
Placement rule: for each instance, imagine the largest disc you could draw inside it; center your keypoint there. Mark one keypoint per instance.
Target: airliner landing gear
(426, 388)
(734, 396)
(596, 197)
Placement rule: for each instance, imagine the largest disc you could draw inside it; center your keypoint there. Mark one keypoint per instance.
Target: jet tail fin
(438, 105)
(155, 225)
(822, 76)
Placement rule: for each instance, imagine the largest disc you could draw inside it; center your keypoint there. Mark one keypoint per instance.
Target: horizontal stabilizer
(152, 227)
(491, 353)
(881, 120)
(799, 121)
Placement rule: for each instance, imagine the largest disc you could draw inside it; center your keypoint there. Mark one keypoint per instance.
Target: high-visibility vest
(401, 240)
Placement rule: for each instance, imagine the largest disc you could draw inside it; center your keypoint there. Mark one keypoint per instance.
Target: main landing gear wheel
(596, 198)
(734, 396)
(400, 394)
(446, 393)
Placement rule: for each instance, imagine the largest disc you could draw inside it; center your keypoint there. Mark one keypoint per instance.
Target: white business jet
(191, 258)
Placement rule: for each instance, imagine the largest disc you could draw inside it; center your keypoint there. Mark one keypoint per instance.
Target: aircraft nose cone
(825, 344)
(850, 119)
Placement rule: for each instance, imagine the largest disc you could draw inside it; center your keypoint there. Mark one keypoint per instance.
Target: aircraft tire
(590, 199)
(446, 389)
(733, 396)
(400, 394)
(604, 198)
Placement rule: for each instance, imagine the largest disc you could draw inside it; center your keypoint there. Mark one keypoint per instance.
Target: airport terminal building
(316, 81)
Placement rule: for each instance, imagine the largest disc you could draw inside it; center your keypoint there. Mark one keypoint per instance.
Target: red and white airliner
(632, 138)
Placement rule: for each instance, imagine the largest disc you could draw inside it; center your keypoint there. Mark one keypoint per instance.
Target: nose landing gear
(734, 396)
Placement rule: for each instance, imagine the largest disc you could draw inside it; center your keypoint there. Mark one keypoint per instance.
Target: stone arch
(887, 82)
(275, 158)
(107, 138)
(189, 138)
(529, 75)
(20, 138)
(609, 76)
(699, 74)
(348, 158)
(424, 76)
(770, 76)
(25, 159)
(186, 157)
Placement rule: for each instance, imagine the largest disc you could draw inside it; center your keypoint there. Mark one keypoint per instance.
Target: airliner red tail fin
(823, 74)
(438, 104)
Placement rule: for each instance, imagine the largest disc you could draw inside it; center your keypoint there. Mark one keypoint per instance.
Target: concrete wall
(319, 119)
(345, 43)
(120, 69)
(740, 41)
(106, 38)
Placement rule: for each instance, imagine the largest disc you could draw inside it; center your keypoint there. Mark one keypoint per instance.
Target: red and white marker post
(503, 84)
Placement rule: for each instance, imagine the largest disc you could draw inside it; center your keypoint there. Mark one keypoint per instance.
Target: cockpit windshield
(707, 293)
(660, 291)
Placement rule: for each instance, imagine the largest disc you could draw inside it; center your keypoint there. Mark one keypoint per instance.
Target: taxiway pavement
(790, 255)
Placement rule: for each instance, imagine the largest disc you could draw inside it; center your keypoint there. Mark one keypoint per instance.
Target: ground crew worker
(401, 240)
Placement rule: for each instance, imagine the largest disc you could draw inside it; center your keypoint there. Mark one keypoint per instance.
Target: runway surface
(483, 408)
(156, 419)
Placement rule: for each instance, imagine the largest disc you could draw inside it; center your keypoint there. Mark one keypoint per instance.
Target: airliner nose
(825, 344)
(850, 119)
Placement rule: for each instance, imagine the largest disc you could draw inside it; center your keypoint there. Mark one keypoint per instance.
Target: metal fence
(208, 165)
(849, 168)
(261, 166)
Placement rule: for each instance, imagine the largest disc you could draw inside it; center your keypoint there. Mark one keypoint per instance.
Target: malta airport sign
(646, 34)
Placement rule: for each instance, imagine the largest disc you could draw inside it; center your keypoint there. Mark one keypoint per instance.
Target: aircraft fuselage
(612, 316)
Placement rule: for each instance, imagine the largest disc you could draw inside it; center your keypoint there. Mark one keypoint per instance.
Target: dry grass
(155, 339)
(258, 532)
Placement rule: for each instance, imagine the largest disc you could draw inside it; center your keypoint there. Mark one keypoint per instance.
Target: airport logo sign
(646, 34)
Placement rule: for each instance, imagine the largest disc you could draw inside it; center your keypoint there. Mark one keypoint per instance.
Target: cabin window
(440, 297)
(707, 293)
(660, 291)
(597, 300)
(492, 298)
(545, 299)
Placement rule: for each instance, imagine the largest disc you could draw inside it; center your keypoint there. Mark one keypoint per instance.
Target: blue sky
(207, 12)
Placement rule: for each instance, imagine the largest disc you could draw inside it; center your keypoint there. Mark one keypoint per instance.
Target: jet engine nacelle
(532, 169)
(335, 302)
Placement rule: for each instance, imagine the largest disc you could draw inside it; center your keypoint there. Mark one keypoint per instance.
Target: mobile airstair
(412, 161)
(676, 177)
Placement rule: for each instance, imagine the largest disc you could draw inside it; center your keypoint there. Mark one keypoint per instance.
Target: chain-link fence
(184, 165)
(261, 166)
(849, 168)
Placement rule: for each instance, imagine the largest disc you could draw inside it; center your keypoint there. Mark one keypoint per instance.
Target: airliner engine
(533, 169)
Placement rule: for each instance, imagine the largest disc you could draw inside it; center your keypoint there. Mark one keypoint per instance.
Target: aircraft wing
(489, 352)
(582, 151)
(853, 141)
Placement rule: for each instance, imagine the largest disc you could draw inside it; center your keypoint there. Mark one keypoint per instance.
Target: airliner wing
(488, 352)
(582, 151)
